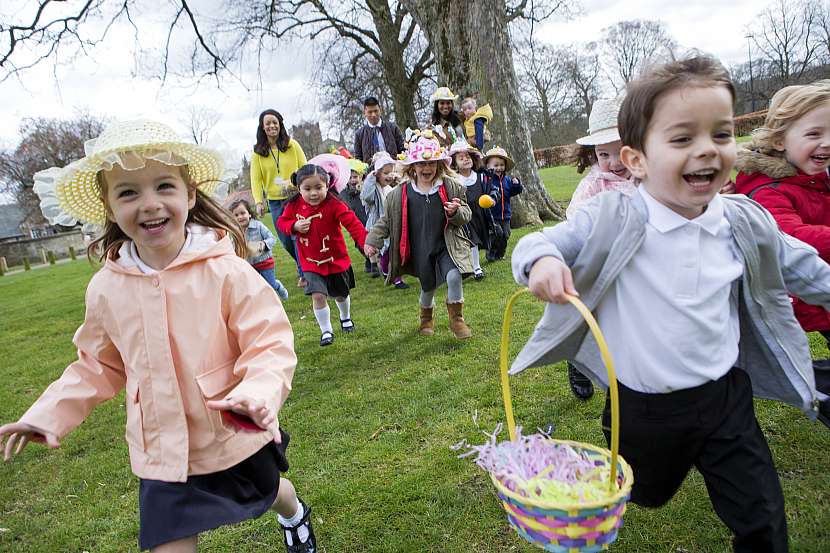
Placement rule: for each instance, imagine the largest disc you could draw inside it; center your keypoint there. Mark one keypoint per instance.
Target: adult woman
(445, 117)
(276, 157)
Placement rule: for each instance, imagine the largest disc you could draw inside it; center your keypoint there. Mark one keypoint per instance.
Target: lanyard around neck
(276, 157)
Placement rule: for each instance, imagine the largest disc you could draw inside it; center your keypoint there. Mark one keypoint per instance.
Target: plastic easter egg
(486, 201)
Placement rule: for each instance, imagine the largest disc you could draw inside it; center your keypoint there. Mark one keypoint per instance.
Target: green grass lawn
(372, 418)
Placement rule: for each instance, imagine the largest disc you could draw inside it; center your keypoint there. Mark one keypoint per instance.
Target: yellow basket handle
(606, 357)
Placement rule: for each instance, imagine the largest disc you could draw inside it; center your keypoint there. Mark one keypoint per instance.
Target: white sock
(345, 308)
(476, 259)
(323, 317)
(302, 532)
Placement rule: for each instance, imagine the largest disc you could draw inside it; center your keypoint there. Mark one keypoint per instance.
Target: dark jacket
(392, 140)
(800, 205)
(352, 198)
(501, 190)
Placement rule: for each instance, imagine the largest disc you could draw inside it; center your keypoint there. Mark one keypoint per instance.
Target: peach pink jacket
(206, 327)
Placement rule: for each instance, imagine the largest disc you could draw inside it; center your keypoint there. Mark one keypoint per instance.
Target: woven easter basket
(569, 527)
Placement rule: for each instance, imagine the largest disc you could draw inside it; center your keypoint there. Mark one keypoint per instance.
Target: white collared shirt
(669, 317)
(381, 143)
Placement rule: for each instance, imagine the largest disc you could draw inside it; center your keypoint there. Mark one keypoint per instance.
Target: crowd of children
(648, 238)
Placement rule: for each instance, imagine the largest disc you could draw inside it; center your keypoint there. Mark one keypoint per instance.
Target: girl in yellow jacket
(180, 319)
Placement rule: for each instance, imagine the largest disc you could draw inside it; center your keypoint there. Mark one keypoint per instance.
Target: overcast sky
(110, 81)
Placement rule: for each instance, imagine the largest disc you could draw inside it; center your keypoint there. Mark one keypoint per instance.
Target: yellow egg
(485, 201)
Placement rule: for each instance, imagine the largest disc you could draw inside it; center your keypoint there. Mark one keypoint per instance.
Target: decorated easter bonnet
(382, 159)
(421, 146)
(335, 165)
(602, 124)
(357, 166)
(463, 146)
(71, 194)
(498, 151)
(443, 93)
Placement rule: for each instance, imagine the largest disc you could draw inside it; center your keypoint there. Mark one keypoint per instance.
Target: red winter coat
(800, 205)
(322, 249)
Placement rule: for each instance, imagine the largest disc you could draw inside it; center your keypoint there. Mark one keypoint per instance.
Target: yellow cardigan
(265, 173)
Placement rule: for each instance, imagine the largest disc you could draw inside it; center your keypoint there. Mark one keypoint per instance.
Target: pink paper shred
(533, 466)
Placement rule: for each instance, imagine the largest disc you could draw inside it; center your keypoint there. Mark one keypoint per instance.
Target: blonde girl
(784, 168)
(177, 317)
(423, 219)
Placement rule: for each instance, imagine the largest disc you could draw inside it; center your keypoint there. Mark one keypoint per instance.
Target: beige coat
(390, 226)
(206, 327)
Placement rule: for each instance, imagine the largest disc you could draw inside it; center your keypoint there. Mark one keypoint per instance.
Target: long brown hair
(582, 157)
(206, 212)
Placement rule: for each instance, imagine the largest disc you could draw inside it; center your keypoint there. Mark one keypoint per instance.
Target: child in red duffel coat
(314, 216)
(784, 168)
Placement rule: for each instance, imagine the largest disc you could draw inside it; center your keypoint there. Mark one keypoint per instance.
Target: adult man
(376, 134)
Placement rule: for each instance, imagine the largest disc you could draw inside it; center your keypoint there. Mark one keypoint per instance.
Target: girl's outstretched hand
(254, 409)
(550, 280)
(370, 251)
(15, 436)
(451, 207)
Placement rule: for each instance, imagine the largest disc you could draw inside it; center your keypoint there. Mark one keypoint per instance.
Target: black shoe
(824, 412)
(296, 546)
(367, 267)
(375, 272)
(580, 385)
(478, 274)
(344, 328)
(401, 285)
(327, 338)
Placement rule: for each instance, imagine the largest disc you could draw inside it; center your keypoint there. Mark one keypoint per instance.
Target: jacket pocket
(135, 417)
(214, 385)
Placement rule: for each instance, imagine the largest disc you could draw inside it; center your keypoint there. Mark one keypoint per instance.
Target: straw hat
(463, 146)
(71, 194)
(335, 165)
(443, 93)
(424, 148)
(502, 153)
(602, 124)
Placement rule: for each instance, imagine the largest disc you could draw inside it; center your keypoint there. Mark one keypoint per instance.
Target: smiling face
(497, 164)
(468, 109)
(271, 126)
(445, 107)
(150, 206)
(386, 175)
(314, 189)
(426, 171)
(806, 144)
(608, 158)
(689, 149)
(242, 216)
(354, 179)
(464, 162)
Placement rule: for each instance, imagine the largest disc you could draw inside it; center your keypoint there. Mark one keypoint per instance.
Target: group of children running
(690, 287)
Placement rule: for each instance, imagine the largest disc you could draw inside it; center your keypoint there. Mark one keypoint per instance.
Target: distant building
(11, 216)
(309, 136)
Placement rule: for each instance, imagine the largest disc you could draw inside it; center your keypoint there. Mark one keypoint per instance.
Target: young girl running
(314, 215)
(204, 385)
(260, 241)
(784, 168)
(600, 152)
(377, 186)
(466, 161)
(423, 220)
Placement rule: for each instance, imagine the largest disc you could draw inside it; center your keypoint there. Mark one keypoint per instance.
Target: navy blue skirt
(170, 511)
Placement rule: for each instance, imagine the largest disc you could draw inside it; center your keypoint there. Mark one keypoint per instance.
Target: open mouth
(700, 179)
(621, 172)
(820, 159)
(155, 226)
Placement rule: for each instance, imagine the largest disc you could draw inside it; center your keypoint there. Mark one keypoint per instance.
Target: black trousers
(713, 428)
(498, 247)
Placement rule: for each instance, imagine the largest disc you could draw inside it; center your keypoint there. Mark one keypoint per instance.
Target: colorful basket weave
(573, 527)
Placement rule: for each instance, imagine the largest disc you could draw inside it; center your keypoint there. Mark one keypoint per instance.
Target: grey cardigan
(607, 231)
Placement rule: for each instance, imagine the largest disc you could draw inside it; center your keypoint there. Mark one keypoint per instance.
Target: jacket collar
(203, 242)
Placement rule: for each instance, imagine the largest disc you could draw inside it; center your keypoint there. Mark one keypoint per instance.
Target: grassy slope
(372, 419)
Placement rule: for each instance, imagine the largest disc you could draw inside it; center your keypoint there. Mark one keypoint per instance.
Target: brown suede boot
(457, 325)
(427, 324)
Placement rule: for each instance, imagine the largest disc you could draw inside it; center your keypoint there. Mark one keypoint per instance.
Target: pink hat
(383, 161)
(462, 146)
(336, 166)
(424, 148)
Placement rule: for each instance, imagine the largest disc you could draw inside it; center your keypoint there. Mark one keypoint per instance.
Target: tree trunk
(473, 53)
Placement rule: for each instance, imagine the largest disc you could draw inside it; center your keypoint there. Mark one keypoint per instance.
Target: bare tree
(782, 33)
(630, 46)
(45, 143)
(584, 71)
(200, 121)
(475, 58)
(543, 80)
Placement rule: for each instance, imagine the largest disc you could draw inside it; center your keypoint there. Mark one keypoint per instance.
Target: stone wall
(14, 251)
